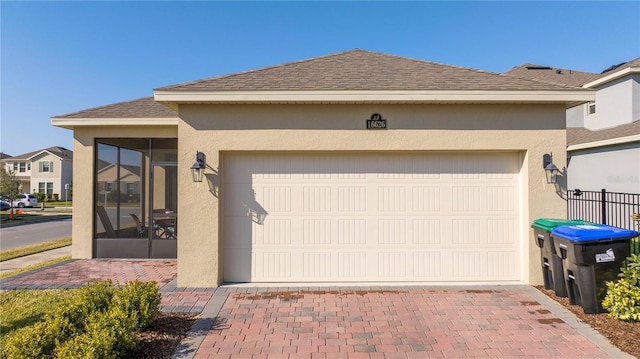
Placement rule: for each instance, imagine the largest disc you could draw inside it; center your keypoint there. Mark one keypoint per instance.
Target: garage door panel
(272, 264)
(352, 231)
(372, 217)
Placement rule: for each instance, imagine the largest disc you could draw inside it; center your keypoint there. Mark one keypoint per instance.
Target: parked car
(4, 205)
(25, 200)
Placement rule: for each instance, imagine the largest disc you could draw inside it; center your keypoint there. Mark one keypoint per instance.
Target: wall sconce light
(197, 170)
(550, 169)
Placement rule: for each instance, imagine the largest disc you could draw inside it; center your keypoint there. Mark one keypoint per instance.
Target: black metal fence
(612, 208)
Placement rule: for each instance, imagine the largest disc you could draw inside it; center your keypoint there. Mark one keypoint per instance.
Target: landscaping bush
(39, 196)
(623, 296)
(108, 335)
(98, 321)
(63, 322)
(141, 300)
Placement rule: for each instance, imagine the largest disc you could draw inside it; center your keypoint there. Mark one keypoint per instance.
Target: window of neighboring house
(591, 108)
(46, 188)
(15, 166)
(108, 186)
(28, 166)
(23, 167)
(46, 166)
(131, 188)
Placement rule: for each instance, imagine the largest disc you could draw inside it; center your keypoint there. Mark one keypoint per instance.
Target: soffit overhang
(70, 123)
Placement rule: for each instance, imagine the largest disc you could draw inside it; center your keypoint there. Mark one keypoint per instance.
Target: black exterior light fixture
(197, 170)
(550, 169)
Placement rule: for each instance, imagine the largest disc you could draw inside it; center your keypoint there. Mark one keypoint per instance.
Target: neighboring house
(2, 158)
(126, 177)
(45, 171)
(603, 136)
(351, 167)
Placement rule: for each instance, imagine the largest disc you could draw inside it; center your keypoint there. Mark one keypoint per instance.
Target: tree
(9, 186)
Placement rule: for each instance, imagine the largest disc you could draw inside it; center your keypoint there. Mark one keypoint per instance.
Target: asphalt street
(22, 235)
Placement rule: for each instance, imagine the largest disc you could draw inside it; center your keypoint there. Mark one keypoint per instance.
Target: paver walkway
(75, 273)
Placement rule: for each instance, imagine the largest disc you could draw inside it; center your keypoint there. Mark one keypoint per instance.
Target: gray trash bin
(551, 263)
(591, 256)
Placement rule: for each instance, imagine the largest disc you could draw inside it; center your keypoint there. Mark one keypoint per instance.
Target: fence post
(604, 206)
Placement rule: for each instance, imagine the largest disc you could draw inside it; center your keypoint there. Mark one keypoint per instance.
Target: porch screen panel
(107, 193)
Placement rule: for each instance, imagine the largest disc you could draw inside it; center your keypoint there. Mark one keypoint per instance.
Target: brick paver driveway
(348, 322)
(391, 323)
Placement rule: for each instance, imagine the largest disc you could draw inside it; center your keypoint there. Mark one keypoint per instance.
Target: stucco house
(44, 171)
(603, 136)
(351, 167)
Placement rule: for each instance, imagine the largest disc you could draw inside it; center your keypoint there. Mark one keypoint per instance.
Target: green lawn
(34, 248)
(22, 308)
(58, 204)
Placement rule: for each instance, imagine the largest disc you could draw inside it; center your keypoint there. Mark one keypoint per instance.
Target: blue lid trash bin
(551, 263)
(591, 256)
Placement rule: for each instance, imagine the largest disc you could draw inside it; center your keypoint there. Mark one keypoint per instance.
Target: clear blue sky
(61, 57)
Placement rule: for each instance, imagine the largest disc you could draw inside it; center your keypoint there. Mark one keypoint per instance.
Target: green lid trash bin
(551, 263)
(591, 256)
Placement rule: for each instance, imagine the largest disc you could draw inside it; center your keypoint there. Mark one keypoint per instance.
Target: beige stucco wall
(83, 177)
(531, 130)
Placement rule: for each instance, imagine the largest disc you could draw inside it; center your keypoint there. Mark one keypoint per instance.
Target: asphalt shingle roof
(56, 150)
(363, 70)
(145, 107)
(562, 76)
(579, 135)
(552, 75)
(632, 63)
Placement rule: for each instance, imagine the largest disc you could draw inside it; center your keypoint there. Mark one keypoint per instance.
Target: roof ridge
(259, 69)
(194, 85)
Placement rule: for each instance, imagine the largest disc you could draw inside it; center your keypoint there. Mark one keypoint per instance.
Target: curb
(16, 222)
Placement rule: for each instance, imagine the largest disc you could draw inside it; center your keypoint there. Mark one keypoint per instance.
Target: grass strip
(35, 266)
(22, 308)
(34, 248)
(33, 217)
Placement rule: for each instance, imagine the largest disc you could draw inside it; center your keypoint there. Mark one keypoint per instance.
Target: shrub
(141, 300)
(63, 322)
(108, 335)
(39, 196)
(623, 297)
(98, 321)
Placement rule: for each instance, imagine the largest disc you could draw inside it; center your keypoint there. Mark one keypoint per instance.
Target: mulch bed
(623, 335)
(161, 338)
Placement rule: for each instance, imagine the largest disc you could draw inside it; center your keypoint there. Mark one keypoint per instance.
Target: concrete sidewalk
(22, 262)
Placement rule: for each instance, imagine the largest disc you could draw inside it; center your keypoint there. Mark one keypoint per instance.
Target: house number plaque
(376, 122)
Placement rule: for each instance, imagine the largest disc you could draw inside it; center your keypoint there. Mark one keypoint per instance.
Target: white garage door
(371, 217)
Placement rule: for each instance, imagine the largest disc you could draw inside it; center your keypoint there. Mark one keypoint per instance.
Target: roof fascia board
(390, 96)
(70, 123)
(611, 77)
(609, 142)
